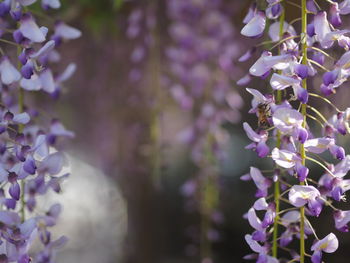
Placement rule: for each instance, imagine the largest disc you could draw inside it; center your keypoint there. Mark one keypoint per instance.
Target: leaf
(117, 4)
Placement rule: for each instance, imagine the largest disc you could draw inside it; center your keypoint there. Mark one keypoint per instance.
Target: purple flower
(9, 74)
(260, 181)
(329, 244)
(259, 141)
(284, 158)
(30, 29)
(344, 7)
(55, 4)
(256, 26)
(266, 62)
(334, 13)
(300, 195)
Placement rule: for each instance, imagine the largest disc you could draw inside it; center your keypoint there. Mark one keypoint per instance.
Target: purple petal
(9, 74)
(22, 118)
(316, 257)
(9, 218)
(330, 77)
(15, 191)
(262, 149)
(28, 69)
(30, 29)
(302, 172)
(47, 81)
(255, 26)
(55, 4)
(66, 32)
(49, 46)
(315, 207)
(29, 165)
(301, 70)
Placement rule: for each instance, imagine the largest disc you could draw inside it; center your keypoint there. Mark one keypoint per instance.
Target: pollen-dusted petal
(255, 26)
(284, 158)
(318, 145)
(299, 195)
(286, 119)
(329, 244)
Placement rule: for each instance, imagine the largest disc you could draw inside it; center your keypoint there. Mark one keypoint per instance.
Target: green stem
(277, 183)
(303, 112)
(209, 197)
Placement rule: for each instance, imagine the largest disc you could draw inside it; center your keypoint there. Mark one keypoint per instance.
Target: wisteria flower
(329, 244)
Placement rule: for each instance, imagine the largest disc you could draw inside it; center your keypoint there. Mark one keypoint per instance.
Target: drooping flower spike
(287, 63)
(31, 164)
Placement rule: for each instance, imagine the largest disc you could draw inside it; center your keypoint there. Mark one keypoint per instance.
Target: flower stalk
(303, 112)
(278, 144)
(280, 119)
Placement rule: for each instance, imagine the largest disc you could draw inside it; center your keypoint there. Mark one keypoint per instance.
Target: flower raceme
(297, 133)
(31, 164)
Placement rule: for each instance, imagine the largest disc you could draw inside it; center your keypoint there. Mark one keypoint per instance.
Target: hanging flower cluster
(200, 79)
(141, 23)
(285, 115)
(30, 162)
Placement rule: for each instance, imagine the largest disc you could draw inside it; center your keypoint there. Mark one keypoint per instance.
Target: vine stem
(278, 144)
(303, 112)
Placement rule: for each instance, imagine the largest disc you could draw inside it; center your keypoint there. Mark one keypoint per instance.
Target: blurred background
(159, 147)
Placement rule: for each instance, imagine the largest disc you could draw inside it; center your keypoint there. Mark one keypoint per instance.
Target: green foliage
(97, 15)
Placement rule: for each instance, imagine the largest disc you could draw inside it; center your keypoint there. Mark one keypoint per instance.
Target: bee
(264, 113)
